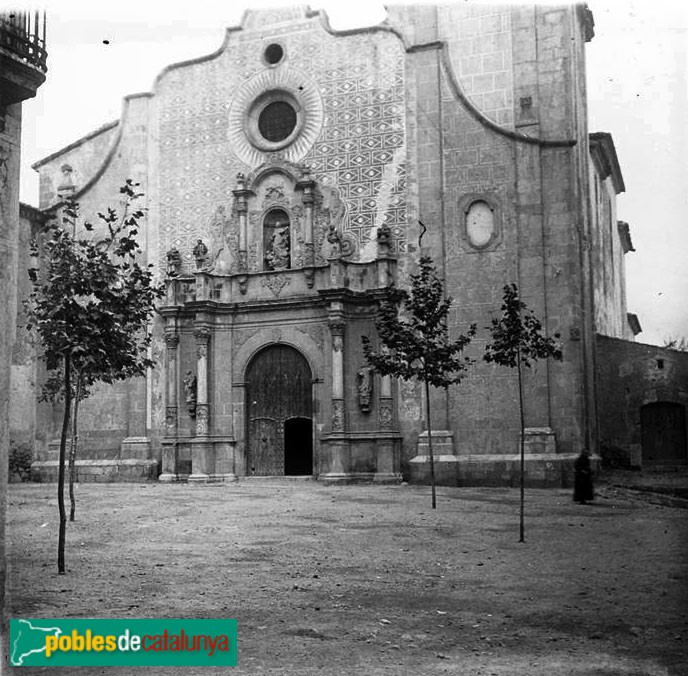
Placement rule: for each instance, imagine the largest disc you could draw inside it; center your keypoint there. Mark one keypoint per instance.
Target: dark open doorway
(298, 447)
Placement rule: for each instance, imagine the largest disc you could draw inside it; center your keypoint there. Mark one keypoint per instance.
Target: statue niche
(276, 240)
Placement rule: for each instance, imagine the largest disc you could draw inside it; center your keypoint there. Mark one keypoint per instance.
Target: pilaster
(170, 450)
(307, 185)
(202, 459)
(242, 193)
(337, 443)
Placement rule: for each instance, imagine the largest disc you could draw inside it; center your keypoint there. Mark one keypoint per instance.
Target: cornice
(604, 156)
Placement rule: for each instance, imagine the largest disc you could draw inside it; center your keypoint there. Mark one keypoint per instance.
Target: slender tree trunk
(523, 451)
(72, 451)
(432, 458)
(61, 468)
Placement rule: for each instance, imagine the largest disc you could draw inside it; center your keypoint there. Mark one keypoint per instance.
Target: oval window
(273, 53)
(480, 223)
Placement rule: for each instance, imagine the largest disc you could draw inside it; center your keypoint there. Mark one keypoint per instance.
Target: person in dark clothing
(582, 483)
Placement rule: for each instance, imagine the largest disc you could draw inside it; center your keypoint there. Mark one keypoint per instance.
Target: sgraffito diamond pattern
(365, 128)
(360, 150)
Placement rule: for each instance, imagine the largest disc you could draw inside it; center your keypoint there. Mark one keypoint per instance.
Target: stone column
(202, 335)
(241, 194)
(307, 184)
(337, 327)
(170, 451)
(202, 464)
(336, 441)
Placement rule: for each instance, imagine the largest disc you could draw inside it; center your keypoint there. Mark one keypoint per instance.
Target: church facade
(288, 178)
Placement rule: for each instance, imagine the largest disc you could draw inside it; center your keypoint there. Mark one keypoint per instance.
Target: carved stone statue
(279, 248)
(190, 393)
(365, 388)
(335, 241)
(174, 262)
(384, 235)
(200, 252)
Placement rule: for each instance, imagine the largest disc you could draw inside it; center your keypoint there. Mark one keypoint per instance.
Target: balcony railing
(23, 34)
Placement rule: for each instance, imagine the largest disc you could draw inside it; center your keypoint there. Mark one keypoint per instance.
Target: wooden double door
(279, 413)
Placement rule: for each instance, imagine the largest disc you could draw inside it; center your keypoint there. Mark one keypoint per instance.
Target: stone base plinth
(87, 449)
(539, 440)
(228, 478)
(347, 477)
(442, 443)
(199, 478)
(284, 479)
(99, 471)
(541, 470)
(135, 448)
(446, 469)
(167, 478)
(357, 457)
(387, 478)
(444, 459)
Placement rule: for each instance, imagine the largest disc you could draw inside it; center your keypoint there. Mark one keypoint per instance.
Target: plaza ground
(369, 579)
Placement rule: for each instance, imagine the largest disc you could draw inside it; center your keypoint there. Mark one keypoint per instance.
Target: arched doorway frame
(313, 353)
(279, 388)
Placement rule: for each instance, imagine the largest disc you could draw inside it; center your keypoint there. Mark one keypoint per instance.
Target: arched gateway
(279, 413)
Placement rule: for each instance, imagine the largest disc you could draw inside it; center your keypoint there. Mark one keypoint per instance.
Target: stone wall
(86, 158)
(20, 76)
(608, 253)
(505, 70)
(10, 145)
(468, 118)
(629, 376)
(99, 164)
(23, 382)
(356, 84)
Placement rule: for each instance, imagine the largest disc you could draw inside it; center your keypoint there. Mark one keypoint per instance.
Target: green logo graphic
(133, 642)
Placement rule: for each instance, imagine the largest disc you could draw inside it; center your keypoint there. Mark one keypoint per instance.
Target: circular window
(274, 120)
(255, 122)
(273, 53)
(277, 121)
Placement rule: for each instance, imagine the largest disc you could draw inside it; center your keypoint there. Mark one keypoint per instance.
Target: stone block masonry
(642, 400)
(466, 117)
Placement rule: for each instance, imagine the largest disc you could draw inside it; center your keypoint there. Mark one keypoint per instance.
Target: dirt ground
(368, 579)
